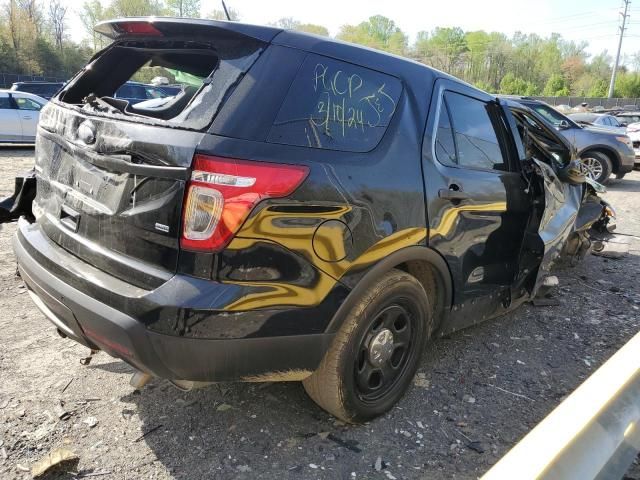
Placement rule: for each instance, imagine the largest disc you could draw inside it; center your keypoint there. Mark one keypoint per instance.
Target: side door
(477, 203)
(10, 127)
(29, 114)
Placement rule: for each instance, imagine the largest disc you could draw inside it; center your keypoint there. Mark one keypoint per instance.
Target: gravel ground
(476, 394)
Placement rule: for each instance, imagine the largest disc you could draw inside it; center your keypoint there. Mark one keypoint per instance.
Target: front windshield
(549, 114)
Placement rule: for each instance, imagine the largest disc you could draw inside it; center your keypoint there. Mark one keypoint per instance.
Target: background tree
(378, 32)
(183, 8)
(91, 13)
(218, 14)
(57, 19)
(289, 23)
(444, 49)
(556, 86)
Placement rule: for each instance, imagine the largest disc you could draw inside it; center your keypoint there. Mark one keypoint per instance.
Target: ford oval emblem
(87, 132)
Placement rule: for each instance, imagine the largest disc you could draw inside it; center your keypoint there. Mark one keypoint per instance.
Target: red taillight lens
(138, 28)
(223, 191)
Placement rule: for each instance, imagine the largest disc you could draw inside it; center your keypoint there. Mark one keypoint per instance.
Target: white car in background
(19, 115)
(633, 132)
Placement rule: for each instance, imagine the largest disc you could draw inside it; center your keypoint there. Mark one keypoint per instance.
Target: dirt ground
(476, 394)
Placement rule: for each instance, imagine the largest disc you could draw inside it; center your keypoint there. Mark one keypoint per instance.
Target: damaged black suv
(301, 209)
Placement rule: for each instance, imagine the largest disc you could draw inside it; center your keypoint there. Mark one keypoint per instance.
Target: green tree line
(34, 39)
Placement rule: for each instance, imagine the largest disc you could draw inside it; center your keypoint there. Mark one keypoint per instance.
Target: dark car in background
(307, 210)
(42, 89)
(602, 153)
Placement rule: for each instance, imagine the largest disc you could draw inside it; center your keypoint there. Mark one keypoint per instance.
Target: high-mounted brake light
(223, 191)
(138, 28)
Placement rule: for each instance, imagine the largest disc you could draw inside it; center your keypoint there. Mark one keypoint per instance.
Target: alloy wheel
(591, 167)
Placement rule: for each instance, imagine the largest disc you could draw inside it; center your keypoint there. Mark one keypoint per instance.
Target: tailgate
(115, 146)
(115, 203)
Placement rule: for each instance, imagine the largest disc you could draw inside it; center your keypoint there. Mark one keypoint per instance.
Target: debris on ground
(612, 246)
(60, 459)
(91, 421)
(475, 446)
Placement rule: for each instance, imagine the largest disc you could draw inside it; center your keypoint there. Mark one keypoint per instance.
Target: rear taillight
(223, 191)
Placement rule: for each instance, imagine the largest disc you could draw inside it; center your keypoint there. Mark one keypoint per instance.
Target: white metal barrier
(593, 434)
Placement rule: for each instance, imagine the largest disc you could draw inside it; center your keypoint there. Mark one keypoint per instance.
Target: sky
(595, 21)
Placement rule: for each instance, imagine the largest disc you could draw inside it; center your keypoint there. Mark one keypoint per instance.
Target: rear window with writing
(336, 106)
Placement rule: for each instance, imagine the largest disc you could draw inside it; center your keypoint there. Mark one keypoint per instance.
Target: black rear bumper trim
(167, 356)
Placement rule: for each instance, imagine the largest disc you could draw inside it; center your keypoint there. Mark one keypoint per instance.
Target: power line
(625, 15)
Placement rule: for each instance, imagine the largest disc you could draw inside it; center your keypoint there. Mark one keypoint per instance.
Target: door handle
(453, 193)
(27, 118)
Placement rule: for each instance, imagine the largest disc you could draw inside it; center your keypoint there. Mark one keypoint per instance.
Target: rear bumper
(94, 323)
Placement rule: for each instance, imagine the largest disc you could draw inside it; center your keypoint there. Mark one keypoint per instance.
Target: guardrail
(593, 433)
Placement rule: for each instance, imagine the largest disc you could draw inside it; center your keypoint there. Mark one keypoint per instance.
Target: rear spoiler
(169, 26)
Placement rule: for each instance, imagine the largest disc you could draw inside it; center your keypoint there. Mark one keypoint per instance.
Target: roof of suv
(358, 54)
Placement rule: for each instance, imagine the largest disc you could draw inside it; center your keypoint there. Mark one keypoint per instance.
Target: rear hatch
(111, 173)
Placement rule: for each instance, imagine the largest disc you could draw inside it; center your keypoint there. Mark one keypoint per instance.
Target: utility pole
(615, 66)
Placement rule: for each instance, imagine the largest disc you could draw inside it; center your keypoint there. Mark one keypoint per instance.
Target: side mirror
(563, 125)
(572, 173)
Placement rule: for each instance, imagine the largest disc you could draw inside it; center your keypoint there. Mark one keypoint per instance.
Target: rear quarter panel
(353, 210)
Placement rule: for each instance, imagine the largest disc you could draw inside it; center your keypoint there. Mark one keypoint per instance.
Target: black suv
(305, 210)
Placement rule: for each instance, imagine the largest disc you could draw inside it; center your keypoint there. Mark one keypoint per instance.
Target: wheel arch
(606, 150)
(425, 264)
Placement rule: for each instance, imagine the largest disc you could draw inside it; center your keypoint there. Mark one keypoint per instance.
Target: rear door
(10, 127)
(29, 113)
(477, 206)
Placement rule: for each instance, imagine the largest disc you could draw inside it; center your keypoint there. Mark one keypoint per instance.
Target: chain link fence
(6, 79)
(593, 102)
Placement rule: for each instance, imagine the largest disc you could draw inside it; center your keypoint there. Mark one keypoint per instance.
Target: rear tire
(596, 165)
(376, 352)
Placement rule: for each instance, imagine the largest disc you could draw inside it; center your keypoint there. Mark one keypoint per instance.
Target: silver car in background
(600, 120)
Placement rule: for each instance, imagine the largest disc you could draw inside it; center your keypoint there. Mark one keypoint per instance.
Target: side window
(27, 104)
(475, 136)
(614, 122)
(5, 103)
(336, 105)
(445, 144)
